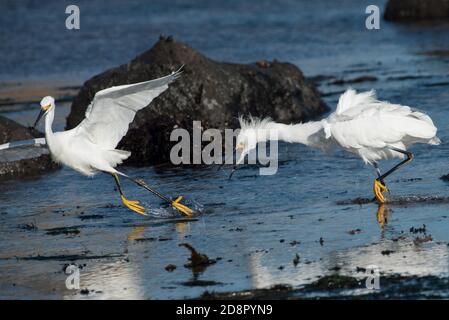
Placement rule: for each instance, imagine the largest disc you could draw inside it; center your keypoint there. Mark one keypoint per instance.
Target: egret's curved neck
(294, 133)
(49, 117)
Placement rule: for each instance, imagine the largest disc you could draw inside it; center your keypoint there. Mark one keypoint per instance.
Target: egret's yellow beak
(44, 109)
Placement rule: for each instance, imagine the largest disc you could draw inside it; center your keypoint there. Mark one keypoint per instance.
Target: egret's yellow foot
(134, 206)
(379, 189)
(182, 208)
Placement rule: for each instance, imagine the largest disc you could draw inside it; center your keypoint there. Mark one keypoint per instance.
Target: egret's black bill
(39, 117)
(234, 169)
(226, 160)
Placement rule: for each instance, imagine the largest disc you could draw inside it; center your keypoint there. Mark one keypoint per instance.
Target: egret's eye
(45, 108)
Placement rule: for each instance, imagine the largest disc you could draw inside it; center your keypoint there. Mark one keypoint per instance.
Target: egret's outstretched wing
(113, 109)
(22, 143)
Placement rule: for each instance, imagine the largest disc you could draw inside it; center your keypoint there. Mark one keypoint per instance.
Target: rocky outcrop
(12, 131)
(22, 161)
(417, 10)
(214, 93)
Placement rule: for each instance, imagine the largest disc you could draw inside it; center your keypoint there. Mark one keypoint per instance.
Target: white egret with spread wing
(372, 129)
(90, 147)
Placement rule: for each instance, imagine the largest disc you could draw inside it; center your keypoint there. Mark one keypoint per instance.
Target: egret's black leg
(400, 164)
(376, 166)
(131, 204)
(379, 184)
(174, 203)
(226, 160)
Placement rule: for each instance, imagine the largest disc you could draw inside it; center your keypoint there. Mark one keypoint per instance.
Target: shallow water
(251, 221)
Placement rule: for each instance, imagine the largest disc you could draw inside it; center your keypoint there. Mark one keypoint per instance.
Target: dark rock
(400, 201)
(28, 226)
(337, 286)
(63, 230)
(214, 93)
(91, 217)
(201, 283)
(416, 10)
(418, 230)
(84, 291)
(68, 257)
(296, 260)
(419, 240)
(334, 282)
(12, 131)
(263, 64)
(66, 265)
(170, 267)
(355, 231)
(336, 268)
(22, 161)
(152, 239)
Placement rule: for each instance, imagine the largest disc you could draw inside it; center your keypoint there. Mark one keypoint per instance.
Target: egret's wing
(113, 109)
(350, 99)
(22, 143)
(380, 124)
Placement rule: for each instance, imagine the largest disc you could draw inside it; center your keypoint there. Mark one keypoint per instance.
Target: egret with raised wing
(372, 129)
(90, 147)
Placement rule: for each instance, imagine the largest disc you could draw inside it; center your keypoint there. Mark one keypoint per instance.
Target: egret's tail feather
(123, 153)
(116, 157)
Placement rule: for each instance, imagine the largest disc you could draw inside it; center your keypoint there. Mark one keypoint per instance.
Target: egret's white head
(246, 141)
(251, 132)
(47, 104)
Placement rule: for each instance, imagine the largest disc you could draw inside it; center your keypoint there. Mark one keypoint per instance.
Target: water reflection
(111, 280)
(395, 253)
(383, 215)
(136, 233)
(406, 258)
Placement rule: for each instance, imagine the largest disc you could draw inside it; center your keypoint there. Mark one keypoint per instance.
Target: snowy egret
(89, 148)
(372, 129)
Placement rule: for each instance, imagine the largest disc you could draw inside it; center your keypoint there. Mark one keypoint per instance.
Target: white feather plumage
(90, 147)
(361, 124)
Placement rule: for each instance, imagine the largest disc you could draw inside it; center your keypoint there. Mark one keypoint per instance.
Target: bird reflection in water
(383, 215)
